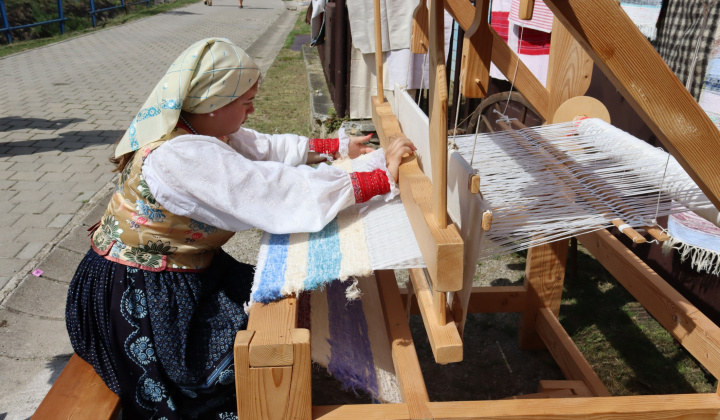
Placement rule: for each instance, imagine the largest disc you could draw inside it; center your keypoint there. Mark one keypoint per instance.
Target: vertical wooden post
(477, 53)
(241, 351)
(419, 35)
(544, 277)
(300, 403)
(379, 53)
(526, 9)
(438, 112)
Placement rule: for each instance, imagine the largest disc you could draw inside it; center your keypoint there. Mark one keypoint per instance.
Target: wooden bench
(78, 393)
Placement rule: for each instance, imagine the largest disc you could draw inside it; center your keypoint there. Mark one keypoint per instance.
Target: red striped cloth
(531, 41)
(542, 17)
(499, 22)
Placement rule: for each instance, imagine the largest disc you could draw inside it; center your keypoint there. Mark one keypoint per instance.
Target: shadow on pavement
(79, 139)
(19, 123)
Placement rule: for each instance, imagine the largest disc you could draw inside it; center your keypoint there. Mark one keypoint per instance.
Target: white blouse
(253, 182)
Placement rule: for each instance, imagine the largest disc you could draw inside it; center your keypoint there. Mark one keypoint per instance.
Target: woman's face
(232, 116)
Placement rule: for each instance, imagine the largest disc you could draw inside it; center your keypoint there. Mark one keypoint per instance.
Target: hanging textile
(645, 14)
(684, 36)
(710, 95)
(350, 340)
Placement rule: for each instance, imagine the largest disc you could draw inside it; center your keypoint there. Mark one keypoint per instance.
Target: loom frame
(272, 357)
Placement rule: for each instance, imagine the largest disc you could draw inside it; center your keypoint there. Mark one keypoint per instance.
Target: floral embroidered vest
(139, 232)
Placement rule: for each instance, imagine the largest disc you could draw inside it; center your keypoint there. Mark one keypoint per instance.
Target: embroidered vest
(138, 231)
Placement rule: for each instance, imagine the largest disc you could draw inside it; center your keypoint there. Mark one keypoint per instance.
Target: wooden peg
(526, 9)
(419, 36)
(487, 220)
(657, 233)
(477, 54)
(629, 231)
(378, 53)
(474, 183)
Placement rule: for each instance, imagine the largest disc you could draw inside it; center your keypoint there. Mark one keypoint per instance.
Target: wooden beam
(506, 60)
(445, 341)
(300, 401)
(555, 393)
(648, 84)
(692, 406)
(497, 299)
(569, 70)
(272, 322)
(442, 249)
(78, 393)
(407, 365)
(698, 334)
(525, 12)
(544, 278)
(243, 387)
(566, 354)
(378, 52)
(419, 35)
(361, 411)
(578, 388)
(270, 392)
(438, 113)
(477, 54)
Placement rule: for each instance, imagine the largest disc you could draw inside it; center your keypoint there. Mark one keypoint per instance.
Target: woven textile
(645, 14)
(542, 19)
(370, 236)
(697, 239)
(350, 339)
(680, 34)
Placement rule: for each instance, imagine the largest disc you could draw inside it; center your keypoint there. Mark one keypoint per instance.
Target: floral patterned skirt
(162, 341)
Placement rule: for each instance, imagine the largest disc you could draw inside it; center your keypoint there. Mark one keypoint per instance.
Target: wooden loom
(272, 357)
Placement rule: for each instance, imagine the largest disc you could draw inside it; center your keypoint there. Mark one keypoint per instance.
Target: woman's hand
(357, 147)
(395, 152)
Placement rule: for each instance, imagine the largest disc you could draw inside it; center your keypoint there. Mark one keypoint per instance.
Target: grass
(283, 102)
(629, 350)
(139, 13)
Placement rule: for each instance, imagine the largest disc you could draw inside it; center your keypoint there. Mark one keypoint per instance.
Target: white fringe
(701, 259)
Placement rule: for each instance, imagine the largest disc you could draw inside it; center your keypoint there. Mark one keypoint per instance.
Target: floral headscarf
(207, 76)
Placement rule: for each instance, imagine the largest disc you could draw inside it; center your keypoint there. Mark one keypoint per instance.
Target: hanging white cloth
(396, 21)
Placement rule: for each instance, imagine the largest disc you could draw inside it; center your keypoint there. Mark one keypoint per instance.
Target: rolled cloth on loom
(695, 238)
(371, 236)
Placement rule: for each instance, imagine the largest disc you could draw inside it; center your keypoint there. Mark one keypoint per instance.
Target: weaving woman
(155, 304)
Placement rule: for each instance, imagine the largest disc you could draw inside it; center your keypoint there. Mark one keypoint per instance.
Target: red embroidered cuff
(367, 185)
(324, 146)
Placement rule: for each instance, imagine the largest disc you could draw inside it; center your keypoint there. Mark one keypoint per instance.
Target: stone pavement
(63, 107)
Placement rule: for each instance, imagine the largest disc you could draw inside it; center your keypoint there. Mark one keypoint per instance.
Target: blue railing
(93, 12)
(7, 28)
(61, 19)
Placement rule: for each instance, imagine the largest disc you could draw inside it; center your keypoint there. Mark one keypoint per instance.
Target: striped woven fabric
(350, 339)
(362, 238)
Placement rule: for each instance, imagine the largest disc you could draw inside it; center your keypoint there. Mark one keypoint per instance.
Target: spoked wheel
(492, 107)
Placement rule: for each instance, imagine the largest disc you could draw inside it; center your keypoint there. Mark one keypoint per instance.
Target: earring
(212, 115)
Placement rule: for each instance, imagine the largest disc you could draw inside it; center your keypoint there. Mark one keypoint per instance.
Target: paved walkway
(63, 107)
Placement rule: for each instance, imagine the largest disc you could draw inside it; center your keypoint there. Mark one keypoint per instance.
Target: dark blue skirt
(162, 341)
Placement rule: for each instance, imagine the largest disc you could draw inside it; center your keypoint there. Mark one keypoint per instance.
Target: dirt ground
(493, 366)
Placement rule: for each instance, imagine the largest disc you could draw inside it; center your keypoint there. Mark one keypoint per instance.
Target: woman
(155, 304)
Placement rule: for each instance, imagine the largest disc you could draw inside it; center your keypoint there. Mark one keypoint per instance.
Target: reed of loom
(272, 357)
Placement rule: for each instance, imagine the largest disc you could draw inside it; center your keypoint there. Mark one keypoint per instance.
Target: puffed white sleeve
(289, 149)
(203, 178)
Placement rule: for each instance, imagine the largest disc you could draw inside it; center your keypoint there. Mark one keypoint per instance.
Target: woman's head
(228, 119)
(207, 77)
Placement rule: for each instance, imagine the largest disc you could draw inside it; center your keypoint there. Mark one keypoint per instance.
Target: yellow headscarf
(207, 76)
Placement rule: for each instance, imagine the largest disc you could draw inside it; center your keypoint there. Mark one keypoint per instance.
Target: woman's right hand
(398, 148)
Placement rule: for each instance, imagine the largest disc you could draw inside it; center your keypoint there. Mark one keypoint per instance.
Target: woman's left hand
(357, 146)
